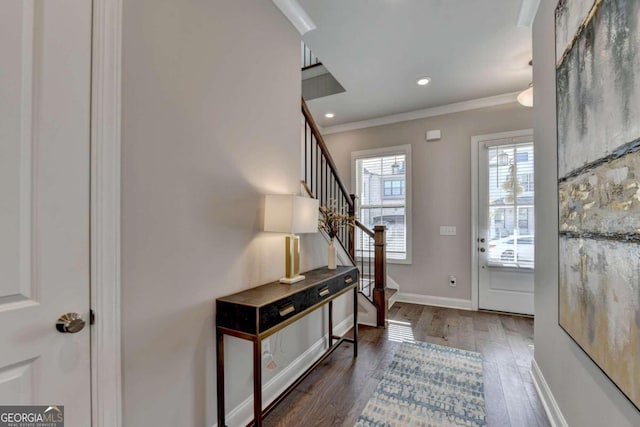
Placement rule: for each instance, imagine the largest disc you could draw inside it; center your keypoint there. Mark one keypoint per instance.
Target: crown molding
(528, 11)
(491, 101)
(296, 15)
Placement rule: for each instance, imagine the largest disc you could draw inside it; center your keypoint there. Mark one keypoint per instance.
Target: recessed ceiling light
(423, 81)
(329, 115)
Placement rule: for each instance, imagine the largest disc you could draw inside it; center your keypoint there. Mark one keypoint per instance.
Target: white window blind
(381, 187)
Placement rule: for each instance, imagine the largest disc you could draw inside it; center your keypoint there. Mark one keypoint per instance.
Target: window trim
(386, 151)
(530, 187)
(525, 209)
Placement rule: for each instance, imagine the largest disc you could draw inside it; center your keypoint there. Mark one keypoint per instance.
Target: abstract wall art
(598, 115)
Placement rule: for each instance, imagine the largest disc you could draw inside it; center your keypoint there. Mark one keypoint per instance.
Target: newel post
(380, 257)
(352, 230)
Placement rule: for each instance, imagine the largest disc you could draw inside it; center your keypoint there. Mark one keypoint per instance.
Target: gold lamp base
(288, 281)
(292, 260)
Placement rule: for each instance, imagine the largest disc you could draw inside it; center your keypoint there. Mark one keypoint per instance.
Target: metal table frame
(258, 413)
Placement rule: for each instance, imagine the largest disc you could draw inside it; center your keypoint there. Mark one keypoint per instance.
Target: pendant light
(525, 98)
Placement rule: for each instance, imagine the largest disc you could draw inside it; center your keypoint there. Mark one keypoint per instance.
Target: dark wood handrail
(331, 190)
(365, 229)
(325, 151)
(310, 194)
(308, 67)
(307, 189)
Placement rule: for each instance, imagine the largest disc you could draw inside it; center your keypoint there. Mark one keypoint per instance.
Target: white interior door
(45, 54)
(506, 225)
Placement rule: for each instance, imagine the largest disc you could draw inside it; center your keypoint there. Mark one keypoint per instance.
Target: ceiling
(378, 48)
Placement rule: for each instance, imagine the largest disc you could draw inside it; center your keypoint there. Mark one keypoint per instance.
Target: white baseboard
(366, 323)
(242, 414)
(463, 304)
(556, 419)
(393, 300)
(392, 283)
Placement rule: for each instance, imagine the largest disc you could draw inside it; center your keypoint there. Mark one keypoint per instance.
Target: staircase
(365, 247)
(317, 81)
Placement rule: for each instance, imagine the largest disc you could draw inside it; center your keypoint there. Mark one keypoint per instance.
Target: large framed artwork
(598, 113)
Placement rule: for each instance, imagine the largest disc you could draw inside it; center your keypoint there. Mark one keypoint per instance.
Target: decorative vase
(332, 256)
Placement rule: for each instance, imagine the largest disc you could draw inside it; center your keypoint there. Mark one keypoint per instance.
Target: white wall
(585, 396)
(441, 182)
(211, 122)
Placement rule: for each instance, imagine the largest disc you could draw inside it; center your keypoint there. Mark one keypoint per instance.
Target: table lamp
(293, 215)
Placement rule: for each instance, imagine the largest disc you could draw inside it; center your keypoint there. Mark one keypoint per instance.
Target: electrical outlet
(267, 357)
(453, 281)
(448, 230)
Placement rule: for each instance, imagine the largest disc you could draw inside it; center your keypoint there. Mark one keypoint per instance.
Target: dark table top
(274, 291)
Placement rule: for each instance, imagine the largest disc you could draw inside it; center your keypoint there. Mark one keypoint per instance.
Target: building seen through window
(511, 205)
(381, 183)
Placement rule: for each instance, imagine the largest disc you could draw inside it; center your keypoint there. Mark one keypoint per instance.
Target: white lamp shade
(290, 214)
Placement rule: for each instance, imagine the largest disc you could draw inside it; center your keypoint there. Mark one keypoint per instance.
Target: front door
(45, 70)
(506, 226)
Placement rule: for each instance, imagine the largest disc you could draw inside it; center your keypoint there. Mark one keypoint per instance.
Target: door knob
(482, 249)
(70, 323)
(482, 240)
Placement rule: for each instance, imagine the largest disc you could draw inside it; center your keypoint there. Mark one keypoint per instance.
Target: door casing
(106, 373)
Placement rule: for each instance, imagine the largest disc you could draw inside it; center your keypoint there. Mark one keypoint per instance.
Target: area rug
(428, 385)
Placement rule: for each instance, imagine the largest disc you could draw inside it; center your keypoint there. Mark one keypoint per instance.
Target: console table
(259, 312)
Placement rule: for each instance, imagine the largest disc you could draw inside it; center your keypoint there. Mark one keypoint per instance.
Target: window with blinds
(511, 205)
(381, 186)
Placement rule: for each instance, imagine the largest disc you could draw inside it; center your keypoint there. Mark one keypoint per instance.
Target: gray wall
(585, 396)
(211, 107)
(441, 189)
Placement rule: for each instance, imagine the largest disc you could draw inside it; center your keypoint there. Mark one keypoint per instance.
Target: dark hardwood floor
(337, 391)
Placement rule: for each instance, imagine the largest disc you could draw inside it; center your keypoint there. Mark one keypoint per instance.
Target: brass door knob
(70, 323)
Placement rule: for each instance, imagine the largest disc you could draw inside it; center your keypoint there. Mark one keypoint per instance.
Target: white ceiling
(378, 48)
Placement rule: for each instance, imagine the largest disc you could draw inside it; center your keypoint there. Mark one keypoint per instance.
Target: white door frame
(475, 143)
(106, 389)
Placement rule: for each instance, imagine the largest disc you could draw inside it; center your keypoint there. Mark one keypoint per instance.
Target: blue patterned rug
(428, 385)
